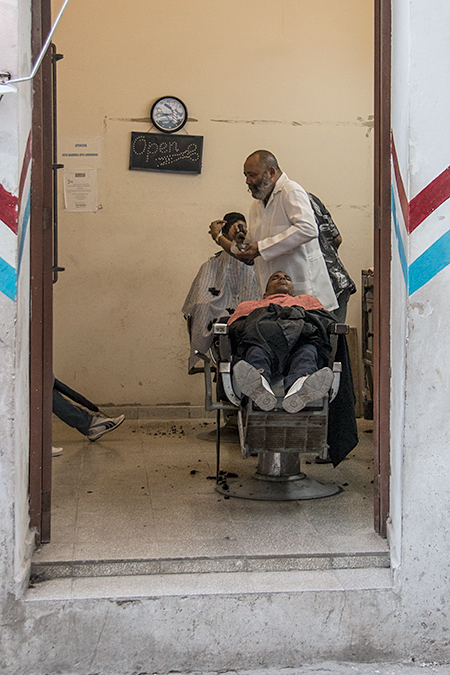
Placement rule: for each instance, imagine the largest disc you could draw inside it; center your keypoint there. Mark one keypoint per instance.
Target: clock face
(169, 114)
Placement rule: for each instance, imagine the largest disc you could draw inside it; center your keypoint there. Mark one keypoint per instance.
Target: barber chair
(277, 438)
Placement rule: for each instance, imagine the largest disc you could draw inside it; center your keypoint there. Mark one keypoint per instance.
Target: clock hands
(169, 113)
(173, 114)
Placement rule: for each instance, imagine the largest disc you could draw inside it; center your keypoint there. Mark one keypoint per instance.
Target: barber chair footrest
(282, 432)
(292, 490)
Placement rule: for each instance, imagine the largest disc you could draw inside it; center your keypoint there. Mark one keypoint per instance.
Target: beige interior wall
(293, 76)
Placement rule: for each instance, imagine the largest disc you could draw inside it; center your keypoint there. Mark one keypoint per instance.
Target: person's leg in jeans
(304, 383)
(260, 360)
(89, 425)
(71, 414)
(303, 361)
(252, 376)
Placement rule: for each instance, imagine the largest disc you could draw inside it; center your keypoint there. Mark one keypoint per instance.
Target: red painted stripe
(25, 165)
(9, 204)
(427, 201)
(400, 186)
(8, 209)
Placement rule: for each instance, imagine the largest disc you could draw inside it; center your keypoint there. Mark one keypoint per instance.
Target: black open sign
(159, 152)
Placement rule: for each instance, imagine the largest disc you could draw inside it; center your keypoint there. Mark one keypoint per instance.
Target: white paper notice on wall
(80, 152)
(80, 190)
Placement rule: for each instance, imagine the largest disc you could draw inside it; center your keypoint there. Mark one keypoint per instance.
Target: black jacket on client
(278, 330)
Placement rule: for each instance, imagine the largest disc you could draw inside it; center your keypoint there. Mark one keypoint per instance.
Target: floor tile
(148, 490)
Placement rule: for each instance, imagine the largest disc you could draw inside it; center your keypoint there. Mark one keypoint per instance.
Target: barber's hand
(216, 227)
(250, 252)
(233, 231)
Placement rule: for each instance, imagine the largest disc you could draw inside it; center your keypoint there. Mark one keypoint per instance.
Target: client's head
(231, 219)
(279, 282)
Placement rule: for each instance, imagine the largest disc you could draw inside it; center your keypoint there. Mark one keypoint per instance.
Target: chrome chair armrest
(337, 370)
(209, 405)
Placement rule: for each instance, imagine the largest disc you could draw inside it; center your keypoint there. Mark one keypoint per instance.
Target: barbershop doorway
(42, 246)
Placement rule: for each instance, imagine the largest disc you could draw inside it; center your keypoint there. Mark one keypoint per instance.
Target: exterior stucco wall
(23, 537)
(15, 111)
(420, 281)
(204, 631)
(400, 139)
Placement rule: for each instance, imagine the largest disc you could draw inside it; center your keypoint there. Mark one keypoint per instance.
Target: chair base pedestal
(288, 488)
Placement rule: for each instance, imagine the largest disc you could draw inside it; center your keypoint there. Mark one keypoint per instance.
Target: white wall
(296, 79)
(15, 110)
(421, 461)
(400, 129)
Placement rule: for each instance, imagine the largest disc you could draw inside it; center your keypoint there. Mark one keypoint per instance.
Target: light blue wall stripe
(427, 265)
(401, 248)
(432, 261)
(8, 280)
(23, 230)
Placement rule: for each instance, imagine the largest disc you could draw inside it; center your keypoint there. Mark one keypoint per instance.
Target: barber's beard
(262, 189)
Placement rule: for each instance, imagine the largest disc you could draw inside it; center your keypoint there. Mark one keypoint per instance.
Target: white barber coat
(287, 236)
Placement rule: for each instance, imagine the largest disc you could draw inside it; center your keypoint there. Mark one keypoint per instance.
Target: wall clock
(169, 114)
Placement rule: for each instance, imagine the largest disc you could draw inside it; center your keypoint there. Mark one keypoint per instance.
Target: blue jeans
(303, 361)
(71, 414)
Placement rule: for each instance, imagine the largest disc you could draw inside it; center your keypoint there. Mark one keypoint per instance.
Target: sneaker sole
(106, 431)
(249, 381)
(315, 387)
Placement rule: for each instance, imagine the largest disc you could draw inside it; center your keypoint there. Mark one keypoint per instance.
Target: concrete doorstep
(333, 668)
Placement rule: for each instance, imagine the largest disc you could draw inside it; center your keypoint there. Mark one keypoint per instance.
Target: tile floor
(143, 492)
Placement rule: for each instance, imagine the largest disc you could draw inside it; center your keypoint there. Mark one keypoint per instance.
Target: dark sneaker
(102, 425)
(308, 389)
(254, 385)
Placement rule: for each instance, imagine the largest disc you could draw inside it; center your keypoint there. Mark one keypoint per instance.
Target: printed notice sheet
(80, 151)
(80, 190)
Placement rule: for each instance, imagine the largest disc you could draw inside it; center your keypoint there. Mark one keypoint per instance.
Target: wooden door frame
(382, 262)
(41, 273)
(41, 285)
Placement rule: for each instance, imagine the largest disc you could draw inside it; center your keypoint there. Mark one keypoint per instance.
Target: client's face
(279, 282)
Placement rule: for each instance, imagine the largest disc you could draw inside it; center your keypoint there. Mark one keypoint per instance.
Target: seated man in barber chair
(221, 283)
(286, 335)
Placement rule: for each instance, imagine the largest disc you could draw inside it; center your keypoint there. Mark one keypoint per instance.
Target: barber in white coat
(283, 231)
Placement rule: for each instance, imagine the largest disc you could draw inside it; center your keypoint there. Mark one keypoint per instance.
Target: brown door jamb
(41, 292)
(382, 262)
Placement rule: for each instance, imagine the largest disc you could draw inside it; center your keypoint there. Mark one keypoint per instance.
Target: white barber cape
(287, 236)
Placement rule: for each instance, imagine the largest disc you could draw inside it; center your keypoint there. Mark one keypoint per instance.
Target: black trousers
(303, 360)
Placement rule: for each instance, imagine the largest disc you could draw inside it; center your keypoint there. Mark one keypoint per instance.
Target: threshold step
(46, 570)
(126, 589)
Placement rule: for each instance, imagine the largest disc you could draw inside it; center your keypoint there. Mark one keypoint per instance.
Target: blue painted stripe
(401, 248)
(427, 265)
(430, 263)
(23, 230)
(8, 280)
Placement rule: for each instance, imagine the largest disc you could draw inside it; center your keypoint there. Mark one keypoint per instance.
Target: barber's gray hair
(266, 159)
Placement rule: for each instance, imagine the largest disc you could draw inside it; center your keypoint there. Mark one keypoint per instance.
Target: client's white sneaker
(254, 385)
(307, 389)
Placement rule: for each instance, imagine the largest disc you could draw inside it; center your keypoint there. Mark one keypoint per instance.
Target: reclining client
(282, 335)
